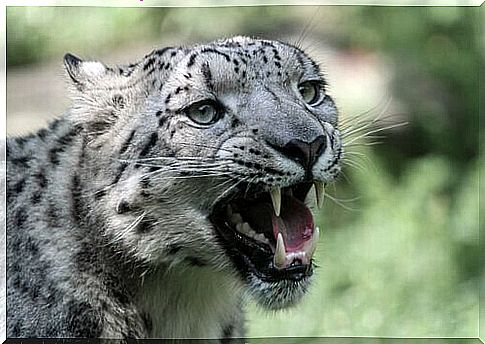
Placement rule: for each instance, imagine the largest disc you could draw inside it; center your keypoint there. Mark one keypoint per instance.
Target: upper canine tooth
(280, 252)
(320, 193)
(276, 199)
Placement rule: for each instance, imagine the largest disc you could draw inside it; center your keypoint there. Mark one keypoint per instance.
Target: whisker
(362, 126)
(307, 30)
(363, 144)
(120, 234)
(247, 186)
(354, 164)
(385, 102)
(183, 166)
(223, 195)
(344, 175)
(195, 175)
(341, 202)
(361, 157)
(367, 134)
(203, 146)
(168, 158)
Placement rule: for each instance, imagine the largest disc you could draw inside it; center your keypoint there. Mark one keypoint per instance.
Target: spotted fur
(107, 208)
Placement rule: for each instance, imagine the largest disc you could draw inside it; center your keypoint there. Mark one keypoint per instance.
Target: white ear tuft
(93, 68)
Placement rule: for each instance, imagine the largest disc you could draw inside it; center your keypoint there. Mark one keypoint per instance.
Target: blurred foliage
(435, 54)
(405, 262)
(35, 34)
(359, 340)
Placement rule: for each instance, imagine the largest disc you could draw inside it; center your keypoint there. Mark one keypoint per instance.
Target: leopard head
(212, 158)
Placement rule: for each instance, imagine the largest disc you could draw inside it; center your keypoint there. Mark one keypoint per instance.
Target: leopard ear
(83, 72)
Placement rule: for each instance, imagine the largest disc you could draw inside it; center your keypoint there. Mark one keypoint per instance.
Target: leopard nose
(304, 153)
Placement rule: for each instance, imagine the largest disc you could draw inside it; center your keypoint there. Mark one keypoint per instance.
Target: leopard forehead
(258, 58)
(240, 64)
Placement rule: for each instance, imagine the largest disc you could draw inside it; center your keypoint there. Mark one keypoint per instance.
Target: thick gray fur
(107, 228)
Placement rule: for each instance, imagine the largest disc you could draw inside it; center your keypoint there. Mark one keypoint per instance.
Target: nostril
(319, 145)
(296, 150)
(304, 153)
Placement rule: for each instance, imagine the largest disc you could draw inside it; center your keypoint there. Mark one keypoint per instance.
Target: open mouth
(270, 234)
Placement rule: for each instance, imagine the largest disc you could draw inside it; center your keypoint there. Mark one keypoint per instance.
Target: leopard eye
(204, 112)
(311, 92)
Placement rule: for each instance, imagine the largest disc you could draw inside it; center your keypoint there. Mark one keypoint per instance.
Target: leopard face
(213, 159)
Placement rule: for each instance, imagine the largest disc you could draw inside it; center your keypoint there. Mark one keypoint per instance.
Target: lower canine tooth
(313, 247)
(320, 193)
(280, 252)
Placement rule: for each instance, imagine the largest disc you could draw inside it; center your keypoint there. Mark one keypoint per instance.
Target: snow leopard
(172, 192)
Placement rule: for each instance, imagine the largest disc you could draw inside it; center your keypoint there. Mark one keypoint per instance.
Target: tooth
(260, 237)
(236, 218)
(280, 254)
(313, 247)
(276, 199)
(240, 228)
(320, 193)
(246, 228)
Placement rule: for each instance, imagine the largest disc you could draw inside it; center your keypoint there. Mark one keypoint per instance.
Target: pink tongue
(295, 223)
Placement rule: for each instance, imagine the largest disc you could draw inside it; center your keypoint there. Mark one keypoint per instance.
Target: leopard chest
(191, 303)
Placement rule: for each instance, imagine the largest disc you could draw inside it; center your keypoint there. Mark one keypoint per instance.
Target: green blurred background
(399, 254)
